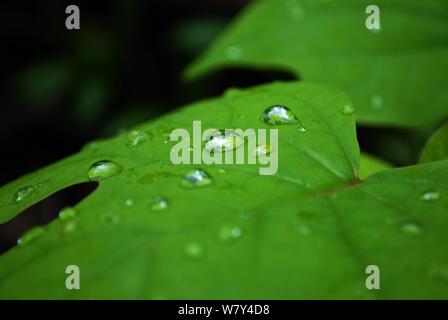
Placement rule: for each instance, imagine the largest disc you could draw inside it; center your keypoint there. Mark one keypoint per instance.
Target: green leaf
(308, 231)
(437, 146)
(395, 77)
(371, 164)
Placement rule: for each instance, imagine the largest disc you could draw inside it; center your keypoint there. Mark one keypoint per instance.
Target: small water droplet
(263, 149)
(232, 92)
(411, 228)
(129, 202)
(304, 229)
(25, 192)
(221, 170)
(301, 129)
(104, 169)
(67, 214)
(230, 233)
(31, 235)
(136, 137)
(158, 204)
(348, 110)
(111, 217)
(295, 9)
(223, 140)
(196, 178)
(234, 53)
(278, 114)
(194, 250)
(430, 195)
(439, 273)
(376, 101)
(69, 227)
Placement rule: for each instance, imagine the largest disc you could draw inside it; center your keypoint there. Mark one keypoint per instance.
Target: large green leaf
(437, 146)
(307, 232)
(397, 76)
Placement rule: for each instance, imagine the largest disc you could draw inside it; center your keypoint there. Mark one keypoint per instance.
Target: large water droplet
(136, 137)
(104, 169)
(67, 214)
(31, 235)
(223, 140)
(230, 233)
(25, 192)
(194, 250)
(158, 204)
(278, 114)
(430, 195)
(348, 110)
(412, 228)
(196, 178)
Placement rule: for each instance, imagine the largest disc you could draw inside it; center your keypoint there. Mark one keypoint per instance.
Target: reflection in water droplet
(411, 228)
(104, 169)
(234, 53)
(348, 110)
(194, 250)
(196, 178)
(25, 192)
(31, 235)
(136, 137)
(158, 204)
(223, 140)
(230, 233)
(430, 195)
(277, 115)
(301, 129)
(67, 214)
(69, 227)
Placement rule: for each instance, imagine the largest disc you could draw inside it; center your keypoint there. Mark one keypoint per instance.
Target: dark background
(63, 88)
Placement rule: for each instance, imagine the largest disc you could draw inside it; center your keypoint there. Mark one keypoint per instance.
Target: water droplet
(376, 101)
(230, 233)
(136, 137)
(196, 178)
(221, 170)
(295, 9)
(104, 169)
(67, 214)
(25, 192)
(301, 129)
(31, 235)
(439, 273)
(278, 114)
(234, 53)
(304, 229)
(129, 202)
(263, 149)
(111, 217)
(223, 140)
(233, 92)
(348, 110)
(430, 195)
(194, 250)
(69, 227)
(411, 228)
(158, 204)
